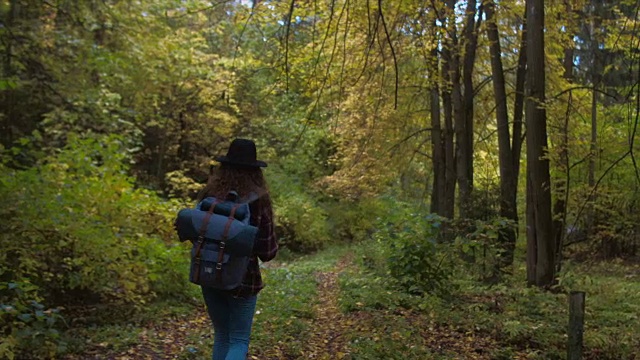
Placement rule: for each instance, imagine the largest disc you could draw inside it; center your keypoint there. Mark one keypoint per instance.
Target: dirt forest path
(169, 338)
(328, 333)
(327, 337)
(172, 338)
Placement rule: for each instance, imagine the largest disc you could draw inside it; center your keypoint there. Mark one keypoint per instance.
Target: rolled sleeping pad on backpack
(240, 237)
(224, 208)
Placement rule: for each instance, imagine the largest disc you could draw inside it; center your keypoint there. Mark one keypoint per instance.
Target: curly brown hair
(241, 179)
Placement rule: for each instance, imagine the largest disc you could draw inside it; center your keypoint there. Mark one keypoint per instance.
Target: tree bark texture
(448, 65)
(595, 82)
(518, 103)
(508, 190)
(561, 187)
(463, 109)
(539, 221)
(437, 146)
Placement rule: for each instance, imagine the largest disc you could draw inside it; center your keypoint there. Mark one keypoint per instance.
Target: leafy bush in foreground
(76, 230)
(414, 256)
(26, 323)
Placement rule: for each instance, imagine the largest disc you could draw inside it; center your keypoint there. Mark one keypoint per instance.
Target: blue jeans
(232, 318)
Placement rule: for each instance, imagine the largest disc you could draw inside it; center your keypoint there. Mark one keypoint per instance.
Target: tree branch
(393, 52)
(286, 45)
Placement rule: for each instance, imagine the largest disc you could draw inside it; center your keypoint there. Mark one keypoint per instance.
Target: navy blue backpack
(222, 240)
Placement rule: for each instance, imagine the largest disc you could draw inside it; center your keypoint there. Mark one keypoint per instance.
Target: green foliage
(176, 80)
(529, 318)
(397, 343)
(608, 223)
(613, 305)
(77, 231)
(181, 186)
(525, 322)
(78, 227)
(478, 244)
(484, 200)
(301, 222)
(354, 221)
(26, 323)
(366, 290)
(415, 257)
(77, 224)
(283, 309)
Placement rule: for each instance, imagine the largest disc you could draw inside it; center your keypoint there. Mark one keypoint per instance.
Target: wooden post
(576, 325)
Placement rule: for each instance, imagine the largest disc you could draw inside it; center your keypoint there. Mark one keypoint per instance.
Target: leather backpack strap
(196, 262)
(223, 241)
(202, 232)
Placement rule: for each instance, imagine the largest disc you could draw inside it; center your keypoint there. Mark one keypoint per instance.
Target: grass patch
(401, 342)
(534, 322)
(116, 328)
(392, 324)
(107, 337)
(612, 320)
(361, 290)
(282, 317)
(286, 305)
(504, 321)
(282, 310)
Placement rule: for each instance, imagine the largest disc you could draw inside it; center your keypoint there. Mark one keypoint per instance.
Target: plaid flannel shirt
(265, 247)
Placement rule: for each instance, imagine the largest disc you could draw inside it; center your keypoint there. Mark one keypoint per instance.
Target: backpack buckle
(219, 266)
(222, 245)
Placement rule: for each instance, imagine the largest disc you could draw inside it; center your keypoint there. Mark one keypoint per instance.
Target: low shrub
(77, 231)
(26, 324)
(354, 221)
(414, 256)
(477, 243)
(301, 224)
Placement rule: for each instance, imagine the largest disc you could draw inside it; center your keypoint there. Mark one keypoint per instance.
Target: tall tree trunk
(593, 148)
(518, 109)
(562, 183)
(539, 221)
(518, 103)
(437, 150)
(463, 109)
(7, 70)
(447, 137)
(508, 190)
(595, 83)
(184, 150)
(448, 67)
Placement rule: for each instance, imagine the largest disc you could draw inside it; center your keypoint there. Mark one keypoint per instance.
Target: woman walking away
(231, 311)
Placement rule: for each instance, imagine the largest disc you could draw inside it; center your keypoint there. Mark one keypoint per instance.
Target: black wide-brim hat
(242, 152)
